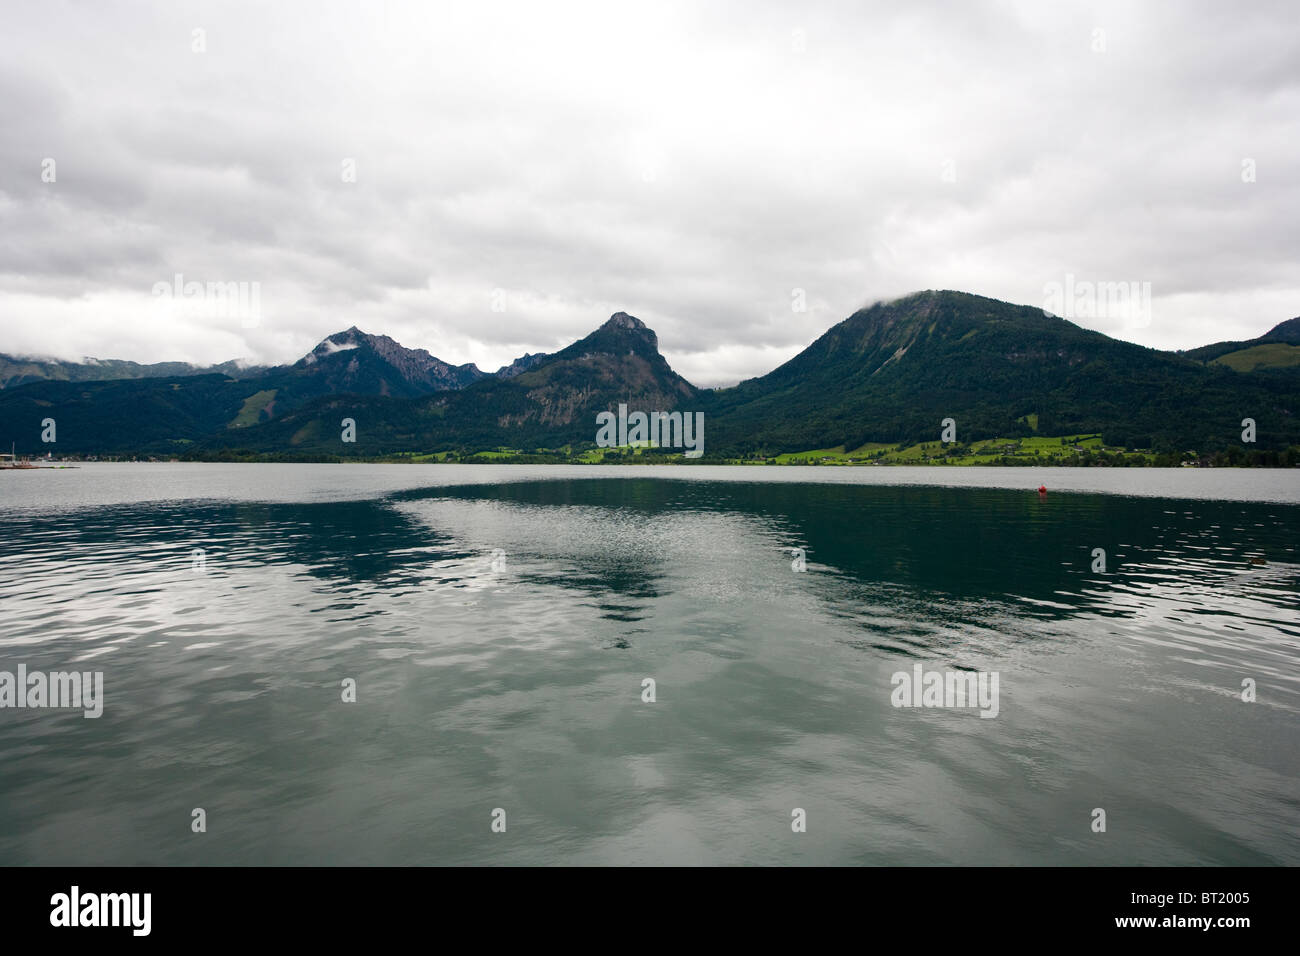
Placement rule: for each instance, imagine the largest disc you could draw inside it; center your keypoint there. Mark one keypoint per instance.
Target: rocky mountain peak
(621, 320)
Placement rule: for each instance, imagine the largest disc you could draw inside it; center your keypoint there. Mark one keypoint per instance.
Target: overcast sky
(523, 170)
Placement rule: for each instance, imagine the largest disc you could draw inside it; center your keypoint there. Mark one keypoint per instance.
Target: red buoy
(1042, 489)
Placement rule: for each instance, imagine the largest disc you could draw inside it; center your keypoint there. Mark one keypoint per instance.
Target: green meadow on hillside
(993, 451)
(1269, 355)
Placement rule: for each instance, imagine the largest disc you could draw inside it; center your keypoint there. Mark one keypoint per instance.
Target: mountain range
(16, 370)
(887, 373)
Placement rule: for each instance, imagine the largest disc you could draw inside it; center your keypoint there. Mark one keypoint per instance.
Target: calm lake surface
(499, 622)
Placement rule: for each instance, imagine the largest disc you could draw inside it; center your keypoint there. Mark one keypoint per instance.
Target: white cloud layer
(692, 164)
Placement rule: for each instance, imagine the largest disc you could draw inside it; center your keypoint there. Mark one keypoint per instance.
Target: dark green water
(517, 683)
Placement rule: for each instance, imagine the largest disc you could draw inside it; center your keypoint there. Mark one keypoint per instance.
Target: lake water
(499, 623)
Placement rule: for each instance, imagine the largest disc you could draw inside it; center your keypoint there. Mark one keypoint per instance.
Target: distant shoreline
(1071, 450)
(628, 462)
